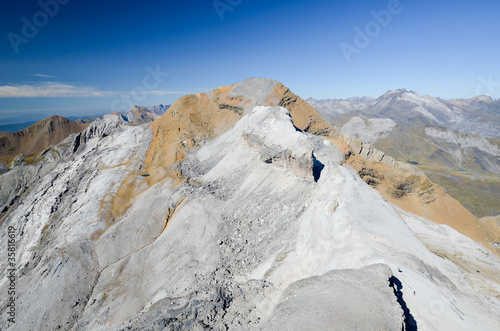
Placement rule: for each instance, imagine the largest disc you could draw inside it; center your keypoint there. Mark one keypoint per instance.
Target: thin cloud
(60, 90)
(47, 90)
(42, 75)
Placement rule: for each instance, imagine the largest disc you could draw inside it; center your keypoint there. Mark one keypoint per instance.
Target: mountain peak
(398, 93)
(483, 98)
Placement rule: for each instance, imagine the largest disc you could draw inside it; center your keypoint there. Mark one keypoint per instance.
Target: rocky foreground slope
(241, 208)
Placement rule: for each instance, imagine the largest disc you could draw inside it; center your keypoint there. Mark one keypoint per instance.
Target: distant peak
(255, 89)
(52, 119)
(483, 98)
(135, 107)
(258, 80)
(398, 93)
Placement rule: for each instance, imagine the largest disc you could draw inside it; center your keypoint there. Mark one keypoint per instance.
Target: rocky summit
(239, 209)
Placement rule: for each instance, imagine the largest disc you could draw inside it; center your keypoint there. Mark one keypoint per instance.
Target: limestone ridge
(224, 106)
(203, 116)
(197, 118)
(230, 213)
(370, 153)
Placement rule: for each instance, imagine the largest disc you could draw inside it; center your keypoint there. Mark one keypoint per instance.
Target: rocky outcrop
(16, 182)
(294, 153)
(100, 128)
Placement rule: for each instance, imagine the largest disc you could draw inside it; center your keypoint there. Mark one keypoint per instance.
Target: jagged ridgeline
(240, 208)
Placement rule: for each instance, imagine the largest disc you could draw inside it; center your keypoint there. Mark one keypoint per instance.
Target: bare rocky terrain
(241, 209)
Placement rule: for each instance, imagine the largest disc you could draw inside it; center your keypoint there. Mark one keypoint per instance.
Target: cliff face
(237, 209)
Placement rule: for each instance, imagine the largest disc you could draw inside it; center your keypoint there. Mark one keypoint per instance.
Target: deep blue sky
(96, 52)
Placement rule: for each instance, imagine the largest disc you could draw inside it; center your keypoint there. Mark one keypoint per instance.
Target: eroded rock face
(222, 244)
(289, 149)
(57, 220)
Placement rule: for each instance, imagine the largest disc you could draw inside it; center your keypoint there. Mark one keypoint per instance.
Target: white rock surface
(268, 218)
(368, 129)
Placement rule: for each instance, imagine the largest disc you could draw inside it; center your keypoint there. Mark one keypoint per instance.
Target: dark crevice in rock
(76, 143)
(409, 324)
(317, 168)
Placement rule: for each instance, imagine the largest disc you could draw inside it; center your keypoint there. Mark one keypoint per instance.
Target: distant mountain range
(455, 142)
(135, 114)
(479, 115)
